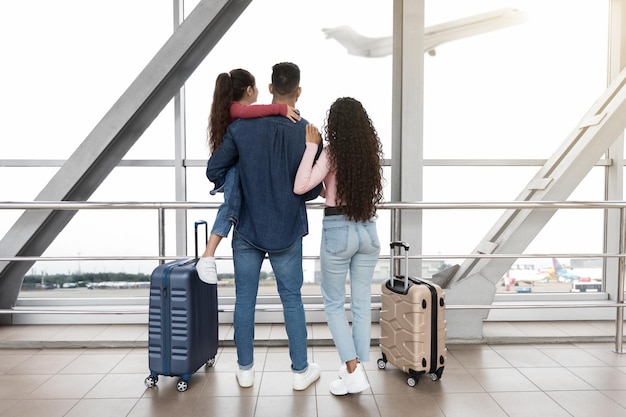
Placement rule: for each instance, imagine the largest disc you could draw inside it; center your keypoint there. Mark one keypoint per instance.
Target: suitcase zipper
(434, 323)
(167, 322)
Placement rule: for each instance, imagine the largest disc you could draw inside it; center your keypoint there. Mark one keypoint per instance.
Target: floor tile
(42, 364)
(572, 357)
(120, 386)
(414, 405)
(602, 378)
(553, 379)
(47, 408)
(359, 405)
(525, 357)
(469, 405)
(503, 380)
(480, 358)
(66, 386)
(528, 404)
(127, 332)
(7, 404)
(132, 363)
(20, 386)
(239, 406)
(587, 404)
(286, 406)
(9, 361)
(92, 364)
(102, 407)
(453, 381)
(617, 396)
(164, 407)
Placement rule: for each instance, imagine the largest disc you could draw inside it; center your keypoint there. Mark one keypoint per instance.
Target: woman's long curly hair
(229, 87)
(355, 152)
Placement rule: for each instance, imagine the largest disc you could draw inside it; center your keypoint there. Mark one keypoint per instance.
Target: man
(272, 220)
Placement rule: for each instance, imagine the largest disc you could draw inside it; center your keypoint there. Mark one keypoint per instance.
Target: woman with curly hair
(233, 98)
(350, 168)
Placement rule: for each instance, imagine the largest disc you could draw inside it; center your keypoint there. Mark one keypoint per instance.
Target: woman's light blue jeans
(349, 246)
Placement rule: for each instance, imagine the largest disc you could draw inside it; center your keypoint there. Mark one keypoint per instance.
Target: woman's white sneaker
(350, 383)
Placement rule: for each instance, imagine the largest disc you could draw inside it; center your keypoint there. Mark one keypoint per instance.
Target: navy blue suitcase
(182, 321)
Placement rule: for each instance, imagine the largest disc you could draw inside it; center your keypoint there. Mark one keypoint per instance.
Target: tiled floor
(51, 370)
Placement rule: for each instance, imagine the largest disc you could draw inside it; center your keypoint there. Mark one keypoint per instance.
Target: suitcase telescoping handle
(393, 245)
(206, 234)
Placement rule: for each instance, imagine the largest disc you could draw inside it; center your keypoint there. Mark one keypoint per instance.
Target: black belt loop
(334, 211)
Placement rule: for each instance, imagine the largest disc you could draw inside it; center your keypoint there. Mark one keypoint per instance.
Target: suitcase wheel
(210, 362)
(151, 381)
(382, 363)
(433, 377)
(182, 385)
(414, 377)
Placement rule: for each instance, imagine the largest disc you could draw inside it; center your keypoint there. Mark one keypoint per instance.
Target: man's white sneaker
(245, 377)
(301, 381)
(207, 271)
(350, 383)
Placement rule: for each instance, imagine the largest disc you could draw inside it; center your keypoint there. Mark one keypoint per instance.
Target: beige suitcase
(412, 324)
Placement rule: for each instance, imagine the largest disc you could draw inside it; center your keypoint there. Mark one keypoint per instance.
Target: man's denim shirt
(268, 152)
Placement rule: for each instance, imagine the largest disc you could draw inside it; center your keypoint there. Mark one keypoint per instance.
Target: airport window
(495, 107)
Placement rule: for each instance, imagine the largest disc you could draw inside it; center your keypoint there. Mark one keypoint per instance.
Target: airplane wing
(360, 45)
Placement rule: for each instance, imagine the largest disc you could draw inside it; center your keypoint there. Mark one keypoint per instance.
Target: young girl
(351, 170)
(233, 96)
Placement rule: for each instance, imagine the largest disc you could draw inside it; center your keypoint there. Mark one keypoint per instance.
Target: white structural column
(615, 171)
(407, 119)
(180, 148)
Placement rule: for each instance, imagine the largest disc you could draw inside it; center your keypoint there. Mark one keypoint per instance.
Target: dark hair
(285, 78)
(229, 87)
(355, 152)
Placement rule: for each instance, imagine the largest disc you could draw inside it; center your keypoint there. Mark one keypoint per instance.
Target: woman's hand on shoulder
(293, 114)
(313, 135)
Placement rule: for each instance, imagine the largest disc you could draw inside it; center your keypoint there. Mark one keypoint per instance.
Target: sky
(514, 93)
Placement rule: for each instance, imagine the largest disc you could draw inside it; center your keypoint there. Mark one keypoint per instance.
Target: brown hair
(355, 152)
(285, 78)
(229, 87)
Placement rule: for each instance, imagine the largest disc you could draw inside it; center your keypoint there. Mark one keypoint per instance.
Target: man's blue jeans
(287, 266)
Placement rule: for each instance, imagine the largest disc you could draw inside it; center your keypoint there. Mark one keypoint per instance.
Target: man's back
(270, 149)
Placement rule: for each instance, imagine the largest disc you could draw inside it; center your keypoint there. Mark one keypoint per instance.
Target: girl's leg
(207, 270)
(212, 244)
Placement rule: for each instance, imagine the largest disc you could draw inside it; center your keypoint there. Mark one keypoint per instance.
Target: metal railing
(395, 209)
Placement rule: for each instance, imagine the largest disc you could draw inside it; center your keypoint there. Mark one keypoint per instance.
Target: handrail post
(161, 220)
(619, 320)
(395, 235)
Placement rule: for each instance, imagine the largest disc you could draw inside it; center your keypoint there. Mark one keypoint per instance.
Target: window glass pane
(70, 62)
(328, 71)
(517, 92)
